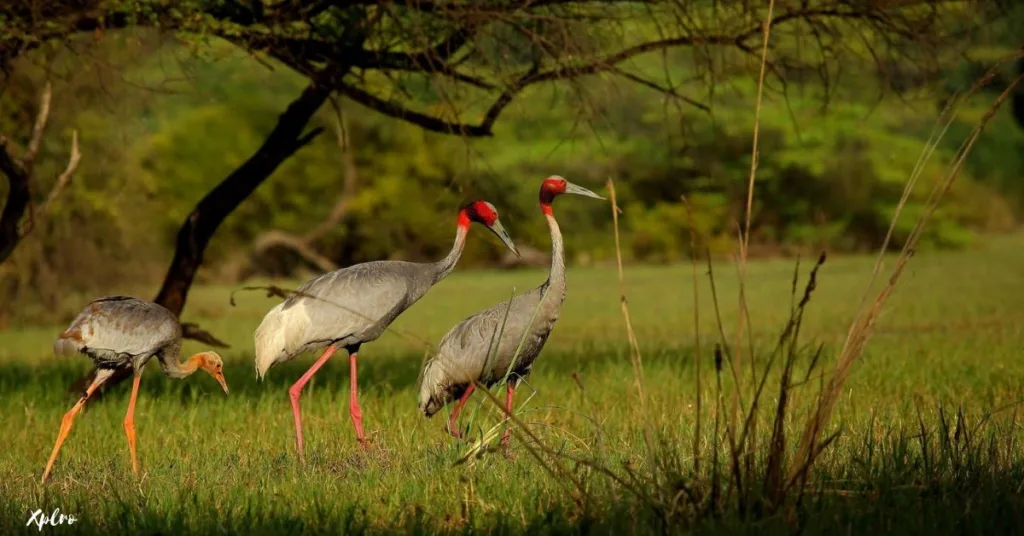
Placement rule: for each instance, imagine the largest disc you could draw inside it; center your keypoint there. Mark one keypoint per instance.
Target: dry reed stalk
(737, 354)
(634, 347)
(696, 333)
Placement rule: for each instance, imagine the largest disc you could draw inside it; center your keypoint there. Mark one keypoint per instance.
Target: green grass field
(951, 336)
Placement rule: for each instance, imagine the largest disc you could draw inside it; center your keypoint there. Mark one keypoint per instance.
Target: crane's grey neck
(171, 366)
(445, 266)
(556, 279)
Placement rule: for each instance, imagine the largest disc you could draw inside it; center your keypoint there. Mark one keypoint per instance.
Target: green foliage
(163, 123)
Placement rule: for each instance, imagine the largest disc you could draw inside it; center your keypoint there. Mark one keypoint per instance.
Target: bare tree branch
(192, 331)
(278, 238)
(665, 90)
(304, 36)
(62, 181)
(65, 177)
(422, 120)
(28, 161)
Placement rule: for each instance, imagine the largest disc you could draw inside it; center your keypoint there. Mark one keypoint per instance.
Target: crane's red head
(555, 186)
(481, 212)
(485, 214)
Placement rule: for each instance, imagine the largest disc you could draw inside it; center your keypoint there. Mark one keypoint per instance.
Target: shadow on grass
(394, 372)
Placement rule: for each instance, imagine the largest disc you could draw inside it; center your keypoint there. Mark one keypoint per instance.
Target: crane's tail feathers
(270, 341)
(436, 388)
(65, 347)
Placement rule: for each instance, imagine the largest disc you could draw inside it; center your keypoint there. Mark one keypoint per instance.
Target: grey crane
(352, 306)
(121, 332)
(463, 355)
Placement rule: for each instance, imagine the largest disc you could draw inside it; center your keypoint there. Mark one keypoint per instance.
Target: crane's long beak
(223, 382)
(571, 188)
(499, 230)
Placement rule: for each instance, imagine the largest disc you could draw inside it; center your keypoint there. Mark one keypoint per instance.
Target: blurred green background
(162, 121)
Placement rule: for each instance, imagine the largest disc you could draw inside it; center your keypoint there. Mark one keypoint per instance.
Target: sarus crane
(472, 351)
(121, 332)
(353, 306)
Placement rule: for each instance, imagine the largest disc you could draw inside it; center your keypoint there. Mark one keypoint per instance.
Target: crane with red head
(483, 348)
(355, 305)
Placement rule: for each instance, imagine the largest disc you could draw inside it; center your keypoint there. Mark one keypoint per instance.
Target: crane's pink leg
(295, 391)
(129, 422)
(353, 403)
(69, 419)
(509, 394)
(453, 424)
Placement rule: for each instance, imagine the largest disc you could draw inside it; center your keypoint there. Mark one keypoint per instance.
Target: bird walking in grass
(353, 306)
(120, 332)
(472, 350)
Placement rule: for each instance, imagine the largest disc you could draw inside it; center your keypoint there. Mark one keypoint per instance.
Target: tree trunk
(17, 201)
(202, 222)
(199, 226)
(1018, 96)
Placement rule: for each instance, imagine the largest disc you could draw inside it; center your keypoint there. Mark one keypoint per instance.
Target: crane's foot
(458, 434)
(506, 451)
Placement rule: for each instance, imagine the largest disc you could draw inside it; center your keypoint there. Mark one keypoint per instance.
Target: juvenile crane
(462, 357)
(119, 332)
(352, 306)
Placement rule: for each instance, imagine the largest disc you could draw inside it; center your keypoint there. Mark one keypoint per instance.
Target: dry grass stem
(634, 347)
(698, 355)
(737, 353)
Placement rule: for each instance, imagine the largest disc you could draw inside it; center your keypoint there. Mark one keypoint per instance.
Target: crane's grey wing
(357, 302)
(460, 360)
(477, 332)
(485, 343)
(484, 347)
(468, 351)
(472, 350)
(113, 328)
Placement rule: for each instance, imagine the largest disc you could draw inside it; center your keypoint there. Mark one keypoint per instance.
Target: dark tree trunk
(17, 200)
(199, 226)
(202, 222)
(1018, 96)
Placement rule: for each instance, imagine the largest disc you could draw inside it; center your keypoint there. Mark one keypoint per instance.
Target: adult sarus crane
(352, 306)
(462, 357)
(120, 332)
